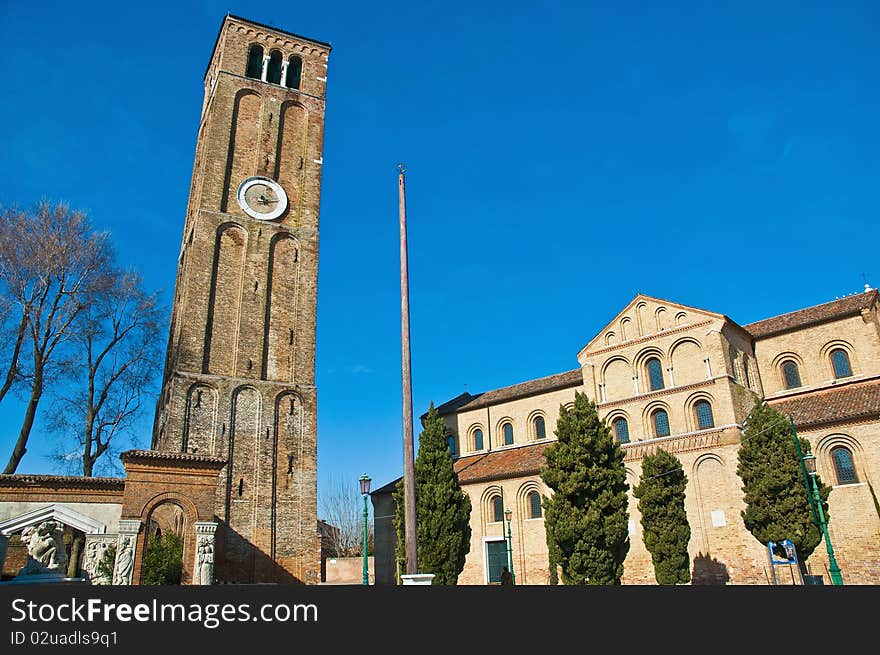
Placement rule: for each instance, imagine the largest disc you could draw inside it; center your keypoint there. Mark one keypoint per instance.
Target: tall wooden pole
(409, 481)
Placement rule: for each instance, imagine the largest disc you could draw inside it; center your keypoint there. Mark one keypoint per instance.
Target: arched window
(661, 423)
(843, 465)
(450, 440)
(294, 72)
(497, 509)
(478, 439)
(255, 62)
(733, 371)
(534, 505)
(273, 72)
(840, 362)
(791, 375)
(621, 429)
(507, 430)
(540, 432)
(703, 411)
(655, 373)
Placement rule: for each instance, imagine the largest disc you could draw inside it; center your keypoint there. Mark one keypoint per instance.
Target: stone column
(203, 571)
(126, 548)
(265, 68)
(284, 72)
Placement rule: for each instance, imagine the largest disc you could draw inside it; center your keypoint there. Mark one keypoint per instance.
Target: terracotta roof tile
(811, 315)
(498, 464)
(194, 458)
(78, 481)
(466, 402)
(851, 402)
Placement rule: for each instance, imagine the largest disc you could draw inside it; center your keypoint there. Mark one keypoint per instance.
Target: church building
(665, 375)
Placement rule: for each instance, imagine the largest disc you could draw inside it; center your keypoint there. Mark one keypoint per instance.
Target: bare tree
(342, 507)
(115, 358)
(51, 264)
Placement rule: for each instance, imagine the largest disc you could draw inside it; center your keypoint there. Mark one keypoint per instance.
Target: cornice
(647, 337)
(681, 443)
(661, 392)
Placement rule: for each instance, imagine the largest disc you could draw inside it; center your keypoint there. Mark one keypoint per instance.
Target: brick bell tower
(239, 379)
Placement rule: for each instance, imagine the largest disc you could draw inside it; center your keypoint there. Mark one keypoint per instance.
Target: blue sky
(562, 157)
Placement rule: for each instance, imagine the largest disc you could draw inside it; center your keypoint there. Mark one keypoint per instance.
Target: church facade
(665, 375)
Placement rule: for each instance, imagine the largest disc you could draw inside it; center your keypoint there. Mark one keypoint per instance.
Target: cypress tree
(586, 517)
(664, 521)
(777, 505)
(443, 510)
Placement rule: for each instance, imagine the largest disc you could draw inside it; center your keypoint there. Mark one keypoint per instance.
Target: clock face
(262, 197)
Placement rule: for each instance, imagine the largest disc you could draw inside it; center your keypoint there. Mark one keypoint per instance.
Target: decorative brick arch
(825, 464)
(154, 479)
(190, 514)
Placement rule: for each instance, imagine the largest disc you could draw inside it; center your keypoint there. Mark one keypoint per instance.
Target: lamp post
(810, 464)
(507, 515)
(808, 467)
(365, 491)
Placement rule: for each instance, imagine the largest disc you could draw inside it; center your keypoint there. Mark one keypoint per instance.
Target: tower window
(497, 509)
(508, 434)
(294, 72)
(843, 466)
(478, 439)
(661, 423)
(791, 375)
(540, 430)
(534, 505)
(450, 441)
(840, 362)
(273, 72)
(255, 62)
(655, 374)
(621, 430)
(705, 419)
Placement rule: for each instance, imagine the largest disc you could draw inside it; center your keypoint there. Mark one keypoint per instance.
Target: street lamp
(364, 481)
(507, 515)
(808, 464)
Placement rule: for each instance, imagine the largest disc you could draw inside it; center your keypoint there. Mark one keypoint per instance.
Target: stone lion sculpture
(45, 548)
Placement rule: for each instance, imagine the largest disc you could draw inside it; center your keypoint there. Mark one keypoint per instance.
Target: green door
(496, 559)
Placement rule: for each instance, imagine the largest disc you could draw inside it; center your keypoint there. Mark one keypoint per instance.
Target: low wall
(349, 570)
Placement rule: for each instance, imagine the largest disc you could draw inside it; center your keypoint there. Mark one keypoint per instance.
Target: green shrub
(163, 560)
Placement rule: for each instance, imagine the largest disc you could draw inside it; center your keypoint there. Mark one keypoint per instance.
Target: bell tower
(239, 379)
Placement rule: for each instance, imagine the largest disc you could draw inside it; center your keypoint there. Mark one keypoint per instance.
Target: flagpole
(409, 483)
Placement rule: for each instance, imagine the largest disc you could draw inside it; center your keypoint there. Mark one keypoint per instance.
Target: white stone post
(265, 67)
(284, 72)
(126, 548)
(418, 578)
(708, 369)
(636, 384)
(671, 379)
(203, 571)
